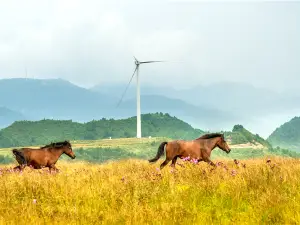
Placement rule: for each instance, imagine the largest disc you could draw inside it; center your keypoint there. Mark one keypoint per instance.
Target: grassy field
(136, 192)
(127, 143)
(145, 148)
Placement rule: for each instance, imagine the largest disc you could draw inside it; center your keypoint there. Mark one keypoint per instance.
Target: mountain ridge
(59, 99)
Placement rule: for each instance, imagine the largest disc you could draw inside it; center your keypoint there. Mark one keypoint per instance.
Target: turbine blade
(126, 87)
(151, 61)
(135, 59)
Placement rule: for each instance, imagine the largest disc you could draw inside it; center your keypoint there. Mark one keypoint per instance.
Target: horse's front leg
(53, 167)
(209, 162)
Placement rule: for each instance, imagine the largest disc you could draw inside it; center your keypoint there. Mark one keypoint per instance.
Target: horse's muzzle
(228, 151)
(74, 157)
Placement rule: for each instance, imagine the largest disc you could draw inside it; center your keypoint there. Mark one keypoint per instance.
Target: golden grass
(135, 192)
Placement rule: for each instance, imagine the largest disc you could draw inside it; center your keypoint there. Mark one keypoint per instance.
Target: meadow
(136, 192)
(102, 186)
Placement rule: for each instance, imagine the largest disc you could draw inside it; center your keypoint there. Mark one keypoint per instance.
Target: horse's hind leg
(170, 155)
(20, 159)
(20, 167)
(17, 168)
(174, 162)
(165, 163)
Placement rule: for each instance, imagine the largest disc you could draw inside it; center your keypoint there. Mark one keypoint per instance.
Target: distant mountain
(116, 89)
(287, 135)
(53, 98)
(260, 109)
(232, 97)
(8, 116)
(198, 116)
(59, 99)
(28, 133)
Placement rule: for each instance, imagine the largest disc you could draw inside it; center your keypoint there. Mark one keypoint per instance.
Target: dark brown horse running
(46, 156)
(198, 149)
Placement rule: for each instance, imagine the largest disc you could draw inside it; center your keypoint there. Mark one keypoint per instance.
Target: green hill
(240, 135)
(287, 135)
(90, 148)
(31, 133)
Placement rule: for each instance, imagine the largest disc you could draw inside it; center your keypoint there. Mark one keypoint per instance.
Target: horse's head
(68, 149)
(222, 144)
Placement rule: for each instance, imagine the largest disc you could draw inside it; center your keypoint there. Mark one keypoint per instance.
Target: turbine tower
(138, 95)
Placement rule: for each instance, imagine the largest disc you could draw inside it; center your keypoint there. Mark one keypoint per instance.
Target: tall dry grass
(135, 192)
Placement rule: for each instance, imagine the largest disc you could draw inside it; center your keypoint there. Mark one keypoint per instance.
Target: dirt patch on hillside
(255, 145)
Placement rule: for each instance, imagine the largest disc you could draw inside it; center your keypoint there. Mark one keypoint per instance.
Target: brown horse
(46, 156)
(196, 150)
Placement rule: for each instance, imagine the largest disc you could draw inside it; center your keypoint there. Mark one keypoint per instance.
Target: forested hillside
(30, 133)
(240, 135)
(287, 135)
(27, 133)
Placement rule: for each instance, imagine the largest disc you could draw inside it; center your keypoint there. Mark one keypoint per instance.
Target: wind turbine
(138, 95)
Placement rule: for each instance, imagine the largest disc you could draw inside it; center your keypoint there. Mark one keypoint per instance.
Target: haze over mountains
(213, 107)
(260, 109)
(8, 116)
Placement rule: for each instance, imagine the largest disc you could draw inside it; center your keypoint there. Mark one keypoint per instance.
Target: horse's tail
(160, 151)
(19, 156)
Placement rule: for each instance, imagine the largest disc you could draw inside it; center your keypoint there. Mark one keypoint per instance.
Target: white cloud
(94, 41)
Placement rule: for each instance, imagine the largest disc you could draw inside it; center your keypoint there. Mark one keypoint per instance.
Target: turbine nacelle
(136, 61)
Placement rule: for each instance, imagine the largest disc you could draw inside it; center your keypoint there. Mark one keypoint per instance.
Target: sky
(93, 41)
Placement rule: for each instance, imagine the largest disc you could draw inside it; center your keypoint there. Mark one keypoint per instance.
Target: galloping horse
(45, 156)
(198, 149)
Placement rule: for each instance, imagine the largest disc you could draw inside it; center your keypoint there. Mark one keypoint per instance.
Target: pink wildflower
(186, 158)
(233, 172)
(195, 161)
(219, 163)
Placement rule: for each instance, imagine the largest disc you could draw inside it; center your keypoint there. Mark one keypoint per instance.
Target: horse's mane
(57, 144)
(211, 135)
